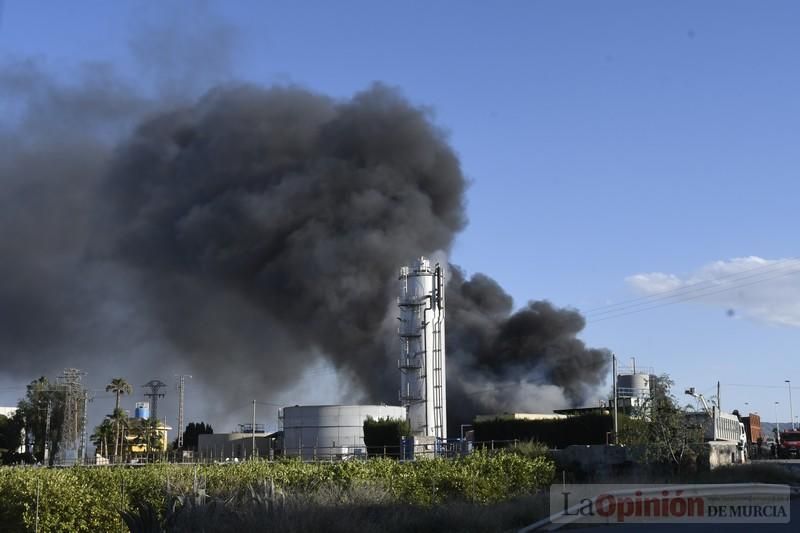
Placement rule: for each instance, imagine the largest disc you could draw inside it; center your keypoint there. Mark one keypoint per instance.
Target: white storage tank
(636, 385)
(330, 431)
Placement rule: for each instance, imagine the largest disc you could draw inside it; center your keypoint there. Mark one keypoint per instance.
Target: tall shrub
(384, 436)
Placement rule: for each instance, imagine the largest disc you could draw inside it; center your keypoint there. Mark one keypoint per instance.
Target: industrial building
(423, 390)
(337, 431)
(239, 445)
(134, 435)
(634, 390)
(329, 431)
(520, 416)
(320, 431)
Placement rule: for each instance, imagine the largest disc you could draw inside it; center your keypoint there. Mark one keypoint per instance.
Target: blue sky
(603, 140)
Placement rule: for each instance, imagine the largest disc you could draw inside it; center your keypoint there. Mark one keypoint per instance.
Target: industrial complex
(337, 432)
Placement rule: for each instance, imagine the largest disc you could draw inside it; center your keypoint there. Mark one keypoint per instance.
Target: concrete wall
(607, 461)
(716, 454)
(597, 461)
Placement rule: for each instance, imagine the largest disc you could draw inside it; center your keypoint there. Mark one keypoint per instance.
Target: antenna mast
(181, 389)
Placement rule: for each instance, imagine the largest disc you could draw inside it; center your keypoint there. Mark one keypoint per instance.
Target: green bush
(560, 433)
(531, 449)
(384, 436)
(93, 498)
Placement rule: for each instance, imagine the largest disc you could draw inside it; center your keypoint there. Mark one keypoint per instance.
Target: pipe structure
(614, 377)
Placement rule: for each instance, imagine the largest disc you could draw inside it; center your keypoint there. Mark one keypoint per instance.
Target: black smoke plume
(247, 235)
(501, 360)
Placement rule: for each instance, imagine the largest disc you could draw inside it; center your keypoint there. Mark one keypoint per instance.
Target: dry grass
(365, 508)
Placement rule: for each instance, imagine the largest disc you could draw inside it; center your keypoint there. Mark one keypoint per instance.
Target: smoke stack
(423, 389)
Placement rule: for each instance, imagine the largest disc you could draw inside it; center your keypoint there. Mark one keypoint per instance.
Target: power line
(782, 387)
(762, 269)
(692, 297)
(690, 289)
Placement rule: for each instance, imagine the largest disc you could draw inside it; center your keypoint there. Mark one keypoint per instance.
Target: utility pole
(181, 389)
(82, 454)
(47, 434)
(791, 414)
(614, 378)
(253, 450)
(154, 385)
(719, 400)
(71, 427)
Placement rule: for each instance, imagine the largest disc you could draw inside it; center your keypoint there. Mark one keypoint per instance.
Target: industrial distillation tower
(422, 355)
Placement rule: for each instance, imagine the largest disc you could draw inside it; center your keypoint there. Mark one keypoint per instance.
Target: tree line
(37, 426)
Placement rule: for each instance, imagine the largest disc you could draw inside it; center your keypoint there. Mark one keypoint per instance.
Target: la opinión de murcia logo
(667, 504)
(748, 502)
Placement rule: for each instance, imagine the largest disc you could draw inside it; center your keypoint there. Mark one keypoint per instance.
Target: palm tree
(146, 435)
(102, 434)
(124, 441)
(152, 435)
(120, 422)
(119, 387)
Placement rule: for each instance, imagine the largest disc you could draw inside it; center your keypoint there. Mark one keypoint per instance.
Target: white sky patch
(766, 290)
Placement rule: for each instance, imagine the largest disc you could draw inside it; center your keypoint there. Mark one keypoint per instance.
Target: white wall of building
(324, 431)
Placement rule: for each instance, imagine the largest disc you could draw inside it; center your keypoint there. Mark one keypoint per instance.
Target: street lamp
(791, 415)
(777, 426)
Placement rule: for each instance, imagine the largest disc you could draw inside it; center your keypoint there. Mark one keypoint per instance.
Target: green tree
(43, 408)
(119, 387)
(153, 434)
(385, 435)
(12, 436)
(11, 429)
(119, 421)
(147, 432)
(103, 435)
(192, 433)
(660, 430)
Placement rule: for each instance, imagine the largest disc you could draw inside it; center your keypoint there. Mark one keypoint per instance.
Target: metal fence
(404, 452)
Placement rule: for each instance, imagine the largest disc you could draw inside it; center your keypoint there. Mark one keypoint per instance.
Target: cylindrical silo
(325, 431)
(634, 385)
(422, 349)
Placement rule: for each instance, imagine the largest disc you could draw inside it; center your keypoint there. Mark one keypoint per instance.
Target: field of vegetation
(474, 492)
